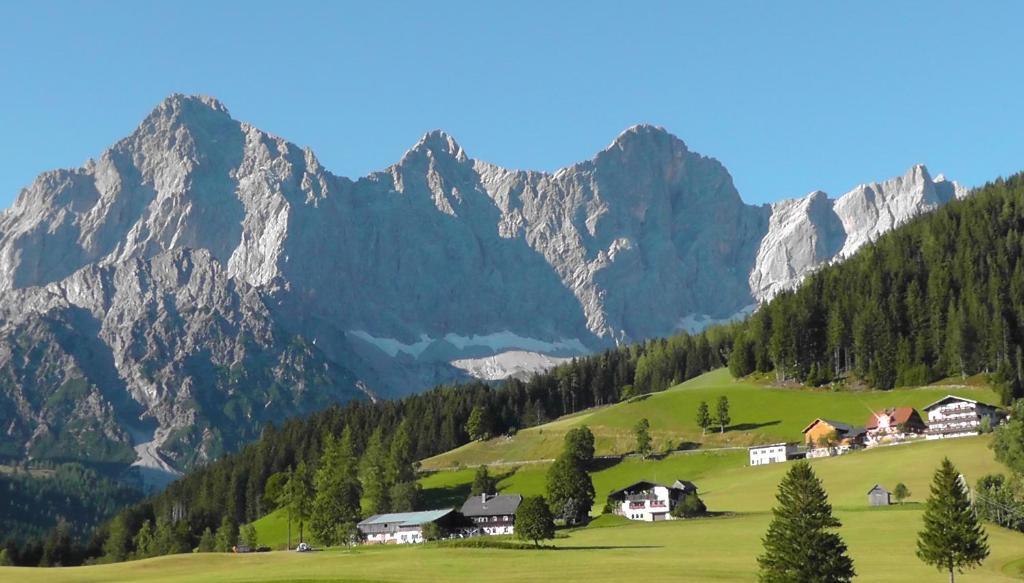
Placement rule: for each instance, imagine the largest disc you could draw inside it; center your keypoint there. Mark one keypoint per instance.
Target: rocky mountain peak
(439, 144)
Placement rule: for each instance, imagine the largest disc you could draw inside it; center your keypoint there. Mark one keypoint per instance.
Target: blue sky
(790, 96)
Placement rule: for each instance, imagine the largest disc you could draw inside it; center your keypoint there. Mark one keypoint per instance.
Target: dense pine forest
(940, 296)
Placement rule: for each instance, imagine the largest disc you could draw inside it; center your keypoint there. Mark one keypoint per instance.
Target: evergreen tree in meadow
(337, 488)
(723, 417)
(952, 539)
(643, 437)
(800, 544)
(703, 417)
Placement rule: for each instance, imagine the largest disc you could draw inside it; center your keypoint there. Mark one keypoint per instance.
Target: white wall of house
(771, 454)
(958, 419)
(648, 510)
(408, 535)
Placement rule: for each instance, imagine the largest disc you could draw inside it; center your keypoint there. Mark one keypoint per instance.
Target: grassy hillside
(759, 414)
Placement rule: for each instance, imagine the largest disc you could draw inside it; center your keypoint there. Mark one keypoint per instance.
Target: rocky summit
(202, 277)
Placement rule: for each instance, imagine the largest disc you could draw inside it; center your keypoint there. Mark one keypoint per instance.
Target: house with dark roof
(893, 424)
(407, 527)
(953, 416)
(649, 501)
(492, 513)
(828, 437)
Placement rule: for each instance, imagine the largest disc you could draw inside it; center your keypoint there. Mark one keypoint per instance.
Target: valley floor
(716, 549)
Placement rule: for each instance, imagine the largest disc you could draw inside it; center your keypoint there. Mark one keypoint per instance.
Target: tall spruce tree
(405, 490)
(800, 545)
(337, 489)
(373, 472)
(952, 539)
(723, 417)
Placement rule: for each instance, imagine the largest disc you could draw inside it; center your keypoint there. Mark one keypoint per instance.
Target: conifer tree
(800, 545)
(404, 493)
(952, 539)
(144, 541)
(703, 417)
(298, 496)
(723, 417)
(643, 437)
(373, 473)
(337, 489)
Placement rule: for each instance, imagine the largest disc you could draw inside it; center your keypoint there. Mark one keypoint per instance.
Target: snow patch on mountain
(514, 363)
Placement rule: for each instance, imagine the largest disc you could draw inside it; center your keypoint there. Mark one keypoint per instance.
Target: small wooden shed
(879, 496)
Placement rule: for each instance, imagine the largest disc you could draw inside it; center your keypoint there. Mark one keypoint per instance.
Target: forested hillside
(941, 296)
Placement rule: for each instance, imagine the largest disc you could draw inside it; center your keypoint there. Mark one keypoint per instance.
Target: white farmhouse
(405, 527)
(649, 501)
(774, 453)
(953, 416)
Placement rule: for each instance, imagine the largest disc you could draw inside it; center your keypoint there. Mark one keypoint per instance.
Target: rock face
(203, 277)
(808, 232)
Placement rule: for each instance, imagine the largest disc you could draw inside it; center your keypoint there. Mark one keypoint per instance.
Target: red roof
(897, 416)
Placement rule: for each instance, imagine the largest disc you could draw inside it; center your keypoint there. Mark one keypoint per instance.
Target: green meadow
(722, 548)
(760, 414)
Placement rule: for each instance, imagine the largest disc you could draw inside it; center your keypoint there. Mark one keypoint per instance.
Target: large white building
(953, 416)
(649, 501)
(774, 453)
(404, 527)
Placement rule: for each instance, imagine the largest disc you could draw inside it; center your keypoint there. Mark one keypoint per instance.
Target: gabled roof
(408, 518)
(684, 485)
(877, 487)
(491, 504)
(899, 415)
(956, 398)
(839, 425)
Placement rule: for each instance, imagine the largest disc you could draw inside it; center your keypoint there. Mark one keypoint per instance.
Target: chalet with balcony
(895, 424)
(953, 416)
(492, 513)
(649, 501)
(774, 453)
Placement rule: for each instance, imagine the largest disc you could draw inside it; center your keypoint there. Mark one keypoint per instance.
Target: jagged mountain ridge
(387, 279)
